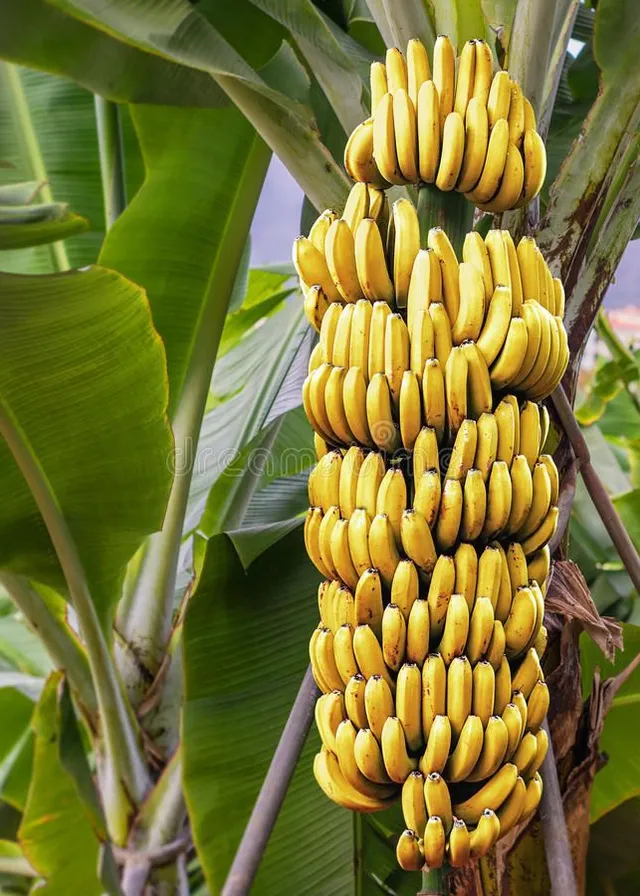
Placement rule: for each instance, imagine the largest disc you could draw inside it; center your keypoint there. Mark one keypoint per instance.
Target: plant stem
(433, 882)
(451, 211)
(554, 828)
(123, 772)
(31, 150)
(111, 150)
(566, 18)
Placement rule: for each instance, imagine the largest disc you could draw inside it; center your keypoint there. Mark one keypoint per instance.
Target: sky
(277, 223)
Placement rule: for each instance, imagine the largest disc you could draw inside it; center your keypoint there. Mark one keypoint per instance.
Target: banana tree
(157, 599)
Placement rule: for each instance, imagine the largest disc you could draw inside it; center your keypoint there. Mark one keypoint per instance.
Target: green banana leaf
(21, 236)
(82, 340)
(462, 20)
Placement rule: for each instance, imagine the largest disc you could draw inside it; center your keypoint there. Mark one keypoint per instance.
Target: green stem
(433, 882)
(60, 641)
(111, 151)
(123, 770)
(565, 19)
(451, 211)
(19, 109)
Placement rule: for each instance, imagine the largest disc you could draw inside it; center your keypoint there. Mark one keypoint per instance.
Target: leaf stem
(554, 828)
(31, 150)
(433, 882)
(451, 211)
(124, 773)
(111, 151)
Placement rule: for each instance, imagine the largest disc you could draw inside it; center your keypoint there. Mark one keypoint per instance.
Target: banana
(342, 338)
(417, 540)
(497, 249)
(470, 317)
(474, 506)
(546, 297)
(382, 548)
(433, 402)
(456, 629)
(341, 261)
(368, 756)
(475, 252)
(341, 555)
(343, 608)
(532, 797)
(316, 306)
(422, 340)
(335, 407)
(522, 492)
(316, 397)
(425, 286)
(459, 844)
(509, 360)
(480, 397)
(541, 502)
(405, 587)
(463, 452)
(496, 325)
(321, 225)
(505, 592)
(434, 842)
(439, 241)
(545, 382)
(530, 432)
(499, 99)
(329, 713)
(444, 74)
(490, 796)
(480, 629)
(452, 152)
(537, 705)
(354, 702)
(397, 761)
(418, 69)
(312, 524)
(558, 291)
(543, 534)
(378, 208)
(521, 622)
(406, 135)
(358, 156)
(377, 329)
(328, 330)
(542, 745)
(409, 851)
(552, 378)
(466, 565)
(348, 483)
(345, 743)
(503, 686)
(370, 478)
(528, 264)
(394, 636)
(396, 354)
(544, 356)
(438, 799)
(396, 68)
(315, 360)
(441, 332)
(325, 660)
(465, 77)
(499, 500)
(408, 708)
(382, 427)
(535, 166)
(368, 600)
(495, 652)
(545, 426)
(494, 749)
(541, 641)
(325, 530)
(356, 207)
(326, 596)
(343, 653)
(485, 834)
(441, 587)
(459, 693)
(449, 518)
(378, 704)
(511, 184)
(467, 750)
(371, 263)
(486, 452)
(456, 380)
(489, 573)
(418, 630)
(494, 165)
(436, 753)
(510, 811)
(425, 453)
(392, 499)
(537, 329)
(483, 72)
(521, 705)
(428, 109)
(312, 269)
(368, 653)
(414, 809)
(506, 430)
(516, 115)
(539, 566)
(517, 293)
(525, 753)
(359, 335)
(405, 249)
(434, 691)
(427, 495)
(384, 141)
(329, 776)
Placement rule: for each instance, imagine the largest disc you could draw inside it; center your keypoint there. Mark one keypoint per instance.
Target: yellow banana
(441, 332)
(438, 799)
(418, 630)
(434, 842)
(537, 705)
(486, 451)
(317, 383)
(459, 693)
(325, 660)
(422, 341)
(406, 135)
(494, 165)
(483, 72)
(428, 131)
(394, 636)
(344, 607)
(542, 745)
(497, 249)
(425, 453)
(449, 515)
(506, 417)
(397, 761)
(456, 381)
(470, 317)
(485, 834)
(525, 753)
(541, 501)
(425, 287)
(312, 524)
(382, 427)
(354, 702)
(434, 691)
(316, 306)
(546, 300)
(414, 809)
(476, 141)
(451, 153)
(377, 328)
(465, 77)
(396, 354)
(436, 753)
(521, 622)
(463, 452)
(326, 594)
(410, 409)
(489, 572)
(532, 314)
(356, 207)
(459, 844)
(495, 653)
(510, 811)
(321, 225)
(384, 141)
(335, 407)
(532, 797)
(427, 495)
(441, 588)
(474, 251)
(417, 540)
(371, 263)
(499, 499)
(343, 653)
(405, 587)
(521, 705)
(466, 572)
(503, 689)
(540, 643)
(539, 566)
(348, 483)
(467, 751)
(480, 629)
(327, 525)
(327, 478)
(418, 69)
(494, 749)
(530, 432)
(358, 156)
(522, 482)
(544, 356)
(329, 712)
(396, 67)
(368, 600)
(456, 629)
(368, 756)
(499, 99)
(474, 506)
(345, 742)
(359, 336)
(370, 478)
(328, 330)
(368, 653)
(408, 709)
(511, 184)
(439, 241)
(342, 337)
(528, 264)
(433, 402)
(382, 548)
(312, 269)
(535, 166)
(480, 397)
(341, 261)
(543, 534)
(392, 499)
(405, 249)
(558, 290)
(516, 115)
(378, 704)
(444, 74)
(491, 796)
(341, 555)
(505, 592)
(409, 851)
(329, 776)
(509, 360)
(496, 325)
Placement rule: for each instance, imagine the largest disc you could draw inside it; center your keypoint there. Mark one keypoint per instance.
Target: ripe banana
(329, 520)
(436, 753)
(441, 332)
(434, 403)
(539, 566)
(494, 165)
(339, 251)
(358, 156)
(354, 703)
(425, 286)
(343, 653)
(489, 573)
(459, 844)
(496, 324)
(514, 271)
(505, 592)
(328, 330)
(397, 761)
(359, 336)
(509, 360)
(428, 110)
(488, 443)
(452, 152)
(317, 384)
(468, 323)
(463, 452)
(456, 379)
(530, 432)
(467, 751)
(368, 756)
(425, 453)
(494, 749)
(516, 115)
(521, 705)
(459, 693)
(382, 548)
(384, 141)
(434, 691)
(405, 249)
(392, 499)
(491, 796)
(312, 524)
(480, 397)
(368, 653)
(499, 499)
(449, 515)
(495, 651)
(538, 539)
(382, 426)
(418, 70)
(541, 501)
(521, 622)
(394, 636)
(465, 77)
(409, 851)
(368, 600)
(316, 306)
(438, 799)
(525, 753)
(329, 713)
(542, 745)
(439, 241)
(312, 269)
(323, 222)
(396, 354)
(358, 538)
(426, 500)
(499, 99)
(483, 72)
(511, 184)
(528, 264)
(422, 338)
(535, 166)
(408, 708)
(456, 629)
(532, 797)
(356, 207)
(370, 477)
(377, 329)
(434, 842)
(466, 565)
(396, 68)
(341, 554)
(406, 135)
(485, 834)
(414, 809)
(378, 704)
(418, 629)
(405, 587)
(335, 406)
(417, 540)
(342, 338)
(503, 687)
(522, 494)
(444, 74)
(510, 811)
(505, 417)
(345, 742)
(480, 629)
(329, 776)
(537, 705)
(476, 140)
(325, 660)
(474, 506)
(371, 263)
(474, 251)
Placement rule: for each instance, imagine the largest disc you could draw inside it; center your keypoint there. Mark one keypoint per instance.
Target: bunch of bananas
(461, 127)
